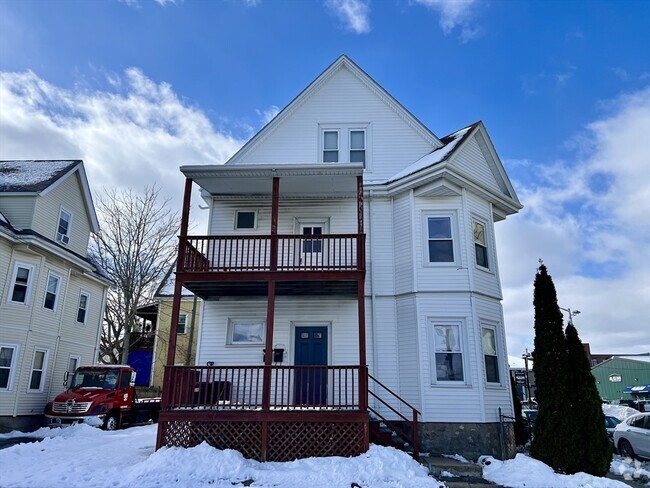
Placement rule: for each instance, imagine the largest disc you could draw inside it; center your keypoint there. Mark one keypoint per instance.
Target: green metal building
(619, 373)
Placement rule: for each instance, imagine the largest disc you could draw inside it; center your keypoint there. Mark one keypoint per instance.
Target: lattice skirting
(287, 440)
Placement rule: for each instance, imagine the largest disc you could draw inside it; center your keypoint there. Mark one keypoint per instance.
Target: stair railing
(412, 439)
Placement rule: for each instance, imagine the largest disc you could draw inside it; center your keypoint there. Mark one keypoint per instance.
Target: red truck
(102, 396)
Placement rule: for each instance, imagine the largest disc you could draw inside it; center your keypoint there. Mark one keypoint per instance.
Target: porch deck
(307, 410)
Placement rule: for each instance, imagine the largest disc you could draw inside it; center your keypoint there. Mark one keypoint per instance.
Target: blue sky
(138, 87)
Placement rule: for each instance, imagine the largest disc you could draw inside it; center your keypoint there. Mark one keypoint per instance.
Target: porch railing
(322, 252)
(240, 387)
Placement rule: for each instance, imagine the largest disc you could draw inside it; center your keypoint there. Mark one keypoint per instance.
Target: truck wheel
(111, 422)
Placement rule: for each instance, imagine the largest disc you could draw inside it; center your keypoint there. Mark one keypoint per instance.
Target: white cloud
(268, 114)
(589, 221)
(131, 137)
(353, 14)
(455, 13)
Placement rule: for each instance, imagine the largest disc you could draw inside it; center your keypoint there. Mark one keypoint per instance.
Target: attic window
(63, 229)
(330, 146)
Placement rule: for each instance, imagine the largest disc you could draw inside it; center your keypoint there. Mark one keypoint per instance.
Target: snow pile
(631, 470)
(457, 457)
(621, 412)
(523, 471)
(82, 456)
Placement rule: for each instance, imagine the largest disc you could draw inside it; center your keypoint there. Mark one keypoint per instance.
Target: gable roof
(341, 62)
(38, 177)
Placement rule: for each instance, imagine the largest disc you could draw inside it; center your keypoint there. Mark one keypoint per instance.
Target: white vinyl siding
(392, 143)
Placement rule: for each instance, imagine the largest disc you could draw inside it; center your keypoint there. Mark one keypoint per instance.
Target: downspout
(58, 335)
(190, 338)
(375, 367)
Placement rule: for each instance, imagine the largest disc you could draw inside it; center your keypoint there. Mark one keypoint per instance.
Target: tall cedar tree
(593, 450)
(552, 443)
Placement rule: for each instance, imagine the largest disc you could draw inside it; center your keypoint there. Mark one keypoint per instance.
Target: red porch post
(270, 314)
(180, 264)
(361, 264)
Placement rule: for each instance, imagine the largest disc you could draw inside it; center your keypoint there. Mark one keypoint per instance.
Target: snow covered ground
(86, 457)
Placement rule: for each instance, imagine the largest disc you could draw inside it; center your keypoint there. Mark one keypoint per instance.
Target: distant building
(624, 378)
(596, 359)
(52, 294)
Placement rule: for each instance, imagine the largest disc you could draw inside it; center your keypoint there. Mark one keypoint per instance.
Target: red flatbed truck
(102, 396)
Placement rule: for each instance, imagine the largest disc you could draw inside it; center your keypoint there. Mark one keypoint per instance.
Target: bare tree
(136, 246)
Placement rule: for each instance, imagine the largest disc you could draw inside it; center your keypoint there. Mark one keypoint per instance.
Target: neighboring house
(349, 247)
(149, 348)
(624, 378)
(52, 295)
(596, 359)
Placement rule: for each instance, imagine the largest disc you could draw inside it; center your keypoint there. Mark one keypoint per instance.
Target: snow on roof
(31, 175)
(435, 157)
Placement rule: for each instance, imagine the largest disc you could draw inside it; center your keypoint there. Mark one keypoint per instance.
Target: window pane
(491, 369)
(357, 139)
(6, 353)
(35, 381)
(330, 140)
(358, 156)
(489, 344)
(22, 276)
(50, 299)
(72, 364)
(39, 357)
(248, 333)
(441, 252)
(52, 284)
(245, 220)
(182, 322)
(447, 338)
(449, 366)
(81, 316)
(481, 255)
(83, 301)
(330, 156)
(479, 233)
(19, 294)
(439, 228)
(4, 377)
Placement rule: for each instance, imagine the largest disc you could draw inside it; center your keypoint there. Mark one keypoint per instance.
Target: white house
(346, 235)
(52, 295)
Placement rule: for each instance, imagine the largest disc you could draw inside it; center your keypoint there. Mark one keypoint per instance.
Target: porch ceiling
(338, 180)
(216, 290)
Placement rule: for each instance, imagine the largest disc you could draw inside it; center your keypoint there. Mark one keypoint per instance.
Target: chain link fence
(514, 436)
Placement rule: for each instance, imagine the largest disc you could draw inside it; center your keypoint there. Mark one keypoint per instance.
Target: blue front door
(311, 350)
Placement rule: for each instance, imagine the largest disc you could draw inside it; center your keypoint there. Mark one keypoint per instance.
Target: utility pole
(526, 356)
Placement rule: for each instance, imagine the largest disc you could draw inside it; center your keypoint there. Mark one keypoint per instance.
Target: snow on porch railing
(322, 252)
(240, 387)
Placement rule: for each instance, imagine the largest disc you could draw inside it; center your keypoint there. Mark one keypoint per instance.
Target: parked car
(610, 425)
(632, 436)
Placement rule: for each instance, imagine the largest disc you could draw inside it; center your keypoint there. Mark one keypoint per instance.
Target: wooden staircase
(401, 434)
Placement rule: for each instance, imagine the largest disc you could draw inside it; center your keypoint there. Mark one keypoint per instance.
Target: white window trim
(56, 232)
(488, 246)
(88, 295)
(231, 327)
(344, 130)
(365, 143)
(245, 229)
(495, 328)
(43, 371)
(453, 216)
(186, 315)
(322, 143)
(460, 322)
(13, 365)
(30, 279)
(56, 295)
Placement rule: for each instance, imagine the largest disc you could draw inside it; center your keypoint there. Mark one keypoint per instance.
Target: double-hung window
(480, 244)
(344, 143)
(39, 365)
(82, 308)
(51, 292)
(21, 283)
(440, 240)
(182, 324)
(448, 352)
(488, 339)
(8, 359)
(63, 227)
